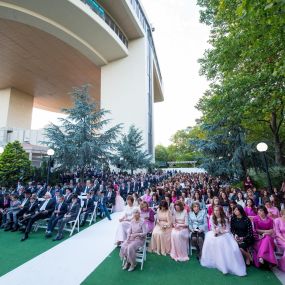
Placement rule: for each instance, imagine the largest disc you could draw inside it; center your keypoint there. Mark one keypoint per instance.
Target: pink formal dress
(280, 240)
(180, 237)
(273, 212)
(135, 240)
(249, 212)
(160, 239)
(148, 218)
(264, 247)
(146, 198)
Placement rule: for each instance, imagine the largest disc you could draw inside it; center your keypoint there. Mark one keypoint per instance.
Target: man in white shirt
(45, 211)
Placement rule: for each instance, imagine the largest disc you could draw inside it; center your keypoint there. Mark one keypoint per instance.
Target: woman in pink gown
(264, 246)
(215, 202)
(147, 215)
(250, 209)
(180, 233)
(273, 212)
(119, 202)
(135, 240)
(160, 240)
(280, 238)
(146, 197)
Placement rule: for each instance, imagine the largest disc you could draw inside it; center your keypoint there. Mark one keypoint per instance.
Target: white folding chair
(70, 226)
(92, 216)
(40, 224)
(140, 255)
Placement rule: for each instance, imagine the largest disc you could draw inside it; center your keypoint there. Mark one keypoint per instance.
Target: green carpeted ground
(161, 270)
(14, 253)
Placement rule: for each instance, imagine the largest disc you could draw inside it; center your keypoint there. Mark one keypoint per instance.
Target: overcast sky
(180, 40)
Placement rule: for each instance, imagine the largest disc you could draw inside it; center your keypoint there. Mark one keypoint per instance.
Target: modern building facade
(48, 47)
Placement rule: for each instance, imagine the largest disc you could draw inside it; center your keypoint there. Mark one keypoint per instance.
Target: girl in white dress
(125, 221)
(220, 249)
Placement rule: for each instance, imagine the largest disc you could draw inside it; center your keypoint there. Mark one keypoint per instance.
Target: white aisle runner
(70, 262)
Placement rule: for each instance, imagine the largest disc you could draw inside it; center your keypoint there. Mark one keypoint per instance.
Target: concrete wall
(124, 89)
(15, 108)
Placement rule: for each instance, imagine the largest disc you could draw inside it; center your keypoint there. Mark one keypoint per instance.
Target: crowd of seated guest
(238, 222)
(175, 207)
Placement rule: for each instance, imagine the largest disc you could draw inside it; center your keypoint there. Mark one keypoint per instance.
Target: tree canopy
(82, 139)
(244, 103)
(130, 154)
(14, 164)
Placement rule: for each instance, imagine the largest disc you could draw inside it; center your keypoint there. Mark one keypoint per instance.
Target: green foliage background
(14, 165)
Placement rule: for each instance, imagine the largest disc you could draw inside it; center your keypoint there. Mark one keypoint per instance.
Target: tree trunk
(82, 175)
(279, 160)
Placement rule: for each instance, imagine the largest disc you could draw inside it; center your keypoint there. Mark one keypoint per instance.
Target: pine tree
(82, 140)
(14, 165)
(130, 153)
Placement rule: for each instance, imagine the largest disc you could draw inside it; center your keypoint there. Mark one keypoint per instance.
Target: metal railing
(143, 19)
(94, 6)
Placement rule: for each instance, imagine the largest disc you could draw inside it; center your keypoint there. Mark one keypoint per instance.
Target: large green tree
(14, 165)
(246, 67)
(82, 139)
(130, 153)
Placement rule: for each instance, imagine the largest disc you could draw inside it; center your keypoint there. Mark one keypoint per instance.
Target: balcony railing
(141, 16)
(108, 20)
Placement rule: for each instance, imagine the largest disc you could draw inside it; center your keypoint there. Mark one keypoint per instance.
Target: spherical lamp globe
(50, 152)
(261, 147)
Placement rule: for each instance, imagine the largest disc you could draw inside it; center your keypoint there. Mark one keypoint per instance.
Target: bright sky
(180, 41)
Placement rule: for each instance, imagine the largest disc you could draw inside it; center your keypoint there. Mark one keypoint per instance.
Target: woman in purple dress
(280, 238)
(273, 212)
(135, 240)
(264, 246)
(147, 215)
(250, 209)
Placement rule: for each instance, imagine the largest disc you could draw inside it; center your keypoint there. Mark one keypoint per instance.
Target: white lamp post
(50, 153)
(262, 148)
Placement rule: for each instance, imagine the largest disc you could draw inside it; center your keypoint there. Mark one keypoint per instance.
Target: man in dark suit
(102, 206)
(87, 187)
(40, 190)
(77, 189)
(111, 196)
(70, 215)
(68, 195)
(88, 208)
(33, 207)
(123, 190)
(45, 211)
(59, 212)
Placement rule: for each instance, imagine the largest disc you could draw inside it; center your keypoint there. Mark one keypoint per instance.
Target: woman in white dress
(220, 249)
(125, 221)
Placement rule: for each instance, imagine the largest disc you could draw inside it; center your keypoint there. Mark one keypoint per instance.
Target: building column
(15, 109)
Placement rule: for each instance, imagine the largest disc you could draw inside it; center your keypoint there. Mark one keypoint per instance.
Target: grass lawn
(14, 253)
(161, 270)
